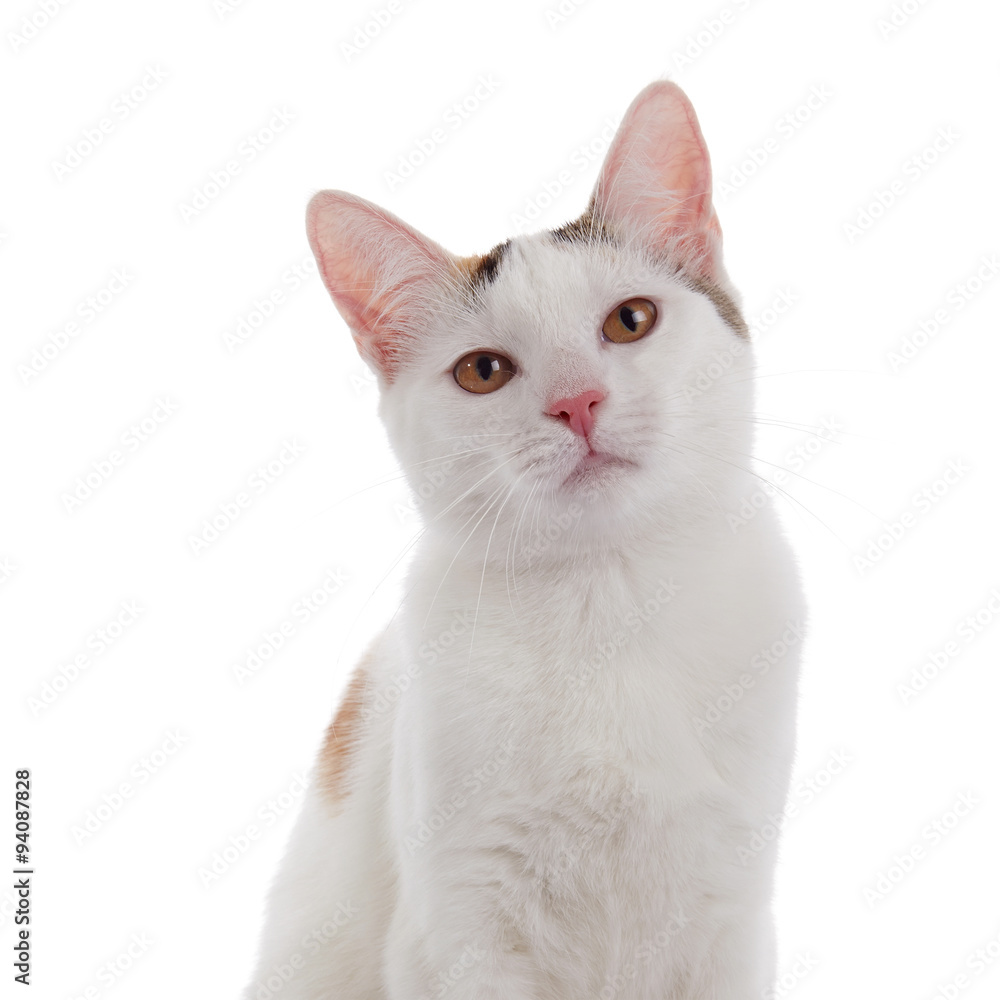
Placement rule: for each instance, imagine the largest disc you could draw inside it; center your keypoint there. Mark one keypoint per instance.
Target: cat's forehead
(549, 264)
(545, 282)
(578, 267)
(534, 294)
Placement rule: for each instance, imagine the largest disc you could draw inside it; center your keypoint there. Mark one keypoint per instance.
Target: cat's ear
(656, 181)
(381, 274)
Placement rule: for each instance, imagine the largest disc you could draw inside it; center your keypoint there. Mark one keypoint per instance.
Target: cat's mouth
(595, 466)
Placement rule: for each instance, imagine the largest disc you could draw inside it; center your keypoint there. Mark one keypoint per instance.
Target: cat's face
(654, 444)
(567, 387)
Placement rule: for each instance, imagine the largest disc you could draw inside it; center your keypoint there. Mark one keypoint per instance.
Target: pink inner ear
(657, 177)
(378, 271)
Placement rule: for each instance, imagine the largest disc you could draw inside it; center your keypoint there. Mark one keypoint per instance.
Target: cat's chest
(564, 692)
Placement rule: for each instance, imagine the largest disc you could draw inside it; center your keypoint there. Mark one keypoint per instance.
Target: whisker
(471, 533)
(482, 579)
(512, 546)
(402, 475)
(763, 479)
(408, 547)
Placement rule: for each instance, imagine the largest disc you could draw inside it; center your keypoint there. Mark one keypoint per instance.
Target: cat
(549, 776)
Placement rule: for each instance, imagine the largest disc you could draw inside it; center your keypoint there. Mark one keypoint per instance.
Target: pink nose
(578, 411)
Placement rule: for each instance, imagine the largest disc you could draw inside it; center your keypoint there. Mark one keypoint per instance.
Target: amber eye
(483, 371)
(630, 321)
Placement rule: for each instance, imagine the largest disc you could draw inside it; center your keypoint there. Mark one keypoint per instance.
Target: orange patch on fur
(342, 736)
(481, 269)
(468, 266)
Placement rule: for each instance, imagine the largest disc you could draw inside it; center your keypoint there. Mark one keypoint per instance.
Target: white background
(162, 711)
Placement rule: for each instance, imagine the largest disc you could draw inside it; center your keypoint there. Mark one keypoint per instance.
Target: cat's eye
(483, 371)
(629, 321)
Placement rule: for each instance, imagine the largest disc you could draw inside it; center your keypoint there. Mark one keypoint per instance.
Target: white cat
(549, 776)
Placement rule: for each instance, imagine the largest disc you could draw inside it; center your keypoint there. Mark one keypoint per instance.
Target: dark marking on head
(724, 305)
(583, 230)
(588, 230)
(482, 271)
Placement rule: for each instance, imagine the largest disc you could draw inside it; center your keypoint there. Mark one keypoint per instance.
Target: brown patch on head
(583, 230)
(587, 229)
(481, 270)
(342, 737)
(724, 305)
(467, 267)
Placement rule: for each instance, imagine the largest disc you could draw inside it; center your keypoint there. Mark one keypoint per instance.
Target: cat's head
(588, 383)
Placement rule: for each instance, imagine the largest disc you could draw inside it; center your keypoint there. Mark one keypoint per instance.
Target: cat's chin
(595, 469)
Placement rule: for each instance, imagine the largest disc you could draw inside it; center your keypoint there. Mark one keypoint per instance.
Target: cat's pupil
(485, 367)
(627, 316)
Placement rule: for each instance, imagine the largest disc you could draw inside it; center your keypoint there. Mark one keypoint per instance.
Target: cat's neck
(569, 556)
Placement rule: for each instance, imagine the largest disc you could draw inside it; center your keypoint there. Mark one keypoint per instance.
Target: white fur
(538, 807)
